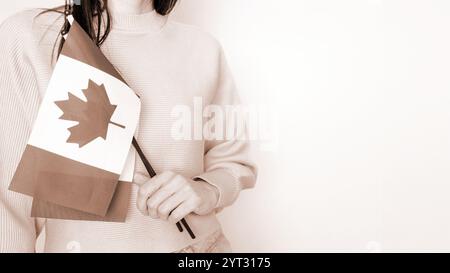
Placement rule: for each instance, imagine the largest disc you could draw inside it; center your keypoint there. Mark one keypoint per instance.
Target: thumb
(140, 178)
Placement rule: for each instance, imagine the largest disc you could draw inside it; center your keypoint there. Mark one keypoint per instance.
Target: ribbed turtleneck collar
(144, 22)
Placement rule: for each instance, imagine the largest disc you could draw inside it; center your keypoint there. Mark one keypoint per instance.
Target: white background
(361, 89)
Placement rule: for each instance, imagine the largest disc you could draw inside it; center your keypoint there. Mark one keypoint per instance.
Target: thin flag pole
(152, 173)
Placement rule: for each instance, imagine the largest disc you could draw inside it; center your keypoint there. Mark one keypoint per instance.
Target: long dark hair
(93, 16)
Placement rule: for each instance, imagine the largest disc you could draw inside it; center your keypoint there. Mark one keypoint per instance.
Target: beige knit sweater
(167, 64)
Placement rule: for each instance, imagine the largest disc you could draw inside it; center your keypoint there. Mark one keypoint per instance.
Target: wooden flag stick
(152, 173)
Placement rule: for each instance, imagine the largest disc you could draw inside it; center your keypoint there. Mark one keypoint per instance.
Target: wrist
(209, 194)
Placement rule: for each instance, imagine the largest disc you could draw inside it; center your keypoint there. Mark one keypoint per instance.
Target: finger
(140, 178)
(147, 189)
(141, 200)
(171, 204)
(181, 211)
(162, 194)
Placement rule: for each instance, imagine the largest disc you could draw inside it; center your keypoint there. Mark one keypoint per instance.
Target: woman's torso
(168, 67)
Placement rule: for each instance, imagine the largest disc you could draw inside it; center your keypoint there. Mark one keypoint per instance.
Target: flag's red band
(80, 47)
(63, 181)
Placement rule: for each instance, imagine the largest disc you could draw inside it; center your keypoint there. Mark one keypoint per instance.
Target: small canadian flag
(79, 162)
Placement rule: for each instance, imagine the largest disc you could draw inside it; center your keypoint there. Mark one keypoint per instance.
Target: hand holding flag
(79, 163)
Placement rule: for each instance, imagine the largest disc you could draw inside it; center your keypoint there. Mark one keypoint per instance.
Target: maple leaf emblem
(93, 115)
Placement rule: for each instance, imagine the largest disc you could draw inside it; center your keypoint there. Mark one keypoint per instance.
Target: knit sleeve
(18, 99)
(227, 163)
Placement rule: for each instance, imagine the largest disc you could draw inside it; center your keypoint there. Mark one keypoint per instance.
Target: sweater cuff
(225, 183)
